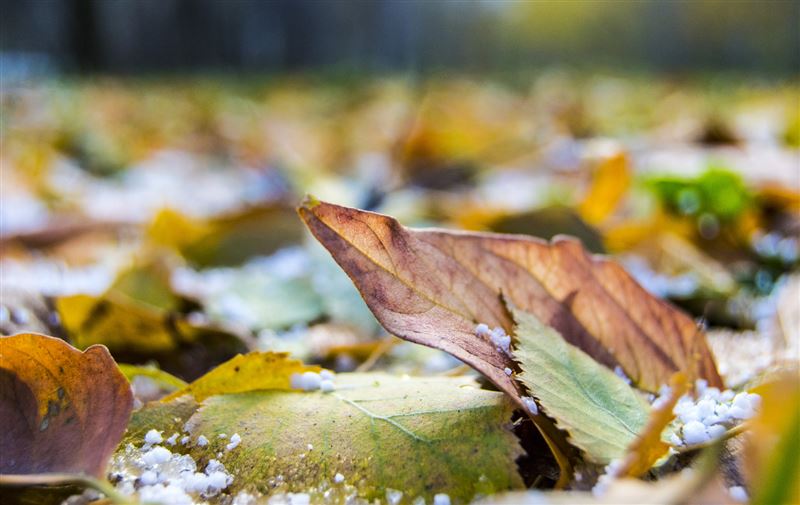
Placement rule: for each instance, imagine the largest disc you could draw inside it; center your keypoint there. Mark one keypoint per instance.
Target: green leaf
(421, 436)
(601, 412)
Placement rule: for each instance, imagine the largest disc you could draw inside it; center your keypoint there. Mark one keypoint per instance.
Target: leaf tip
(309, 202)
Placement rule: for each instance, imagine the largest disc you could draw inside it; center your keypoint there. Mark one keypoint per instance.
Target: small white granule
(393, 496)
(738, 494)
(153, 437)
(299, 498)
(195, 482)
(310, 447)
(167, 495)
(185, 440)
(214, 466)
(338, 478)
(694, 432)
(173, 439)
(202, 441)
(326, 386)
(148, 478)
(501, 340)
(441, 499)
(326, 375)
(156, 455)
(307, 381)
(508, 371)
(482, 330)
(235, 440)
(530, 404)
(222, 435)
(621, 374)
(217, 481)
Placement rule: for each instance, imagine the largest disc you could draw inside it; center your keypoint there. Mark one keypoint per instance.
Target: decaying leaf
(246, 372)
(62, 410)
(433, 286)
(610, 183)
(367, 430)
(649, 446)
(601, 412)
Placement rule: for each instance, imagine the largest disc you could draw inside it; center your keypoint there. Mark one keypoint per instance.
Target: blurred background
(153, 153)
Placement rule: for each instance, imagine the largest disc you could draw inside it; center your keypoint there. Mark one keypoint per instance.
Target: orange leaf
(61, 410)
(433, 286)
(648, 446)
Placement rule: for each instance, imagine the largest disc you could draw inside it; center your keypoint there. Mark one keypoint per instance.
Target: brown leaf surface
(61, 410)
(433, 286)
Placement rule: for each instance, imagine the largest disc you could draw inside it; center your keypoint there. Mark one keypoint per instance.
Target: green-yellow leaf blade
(601, 412)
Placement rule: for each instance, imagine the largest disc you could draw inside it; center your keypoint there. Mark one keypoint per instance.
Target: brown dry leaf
(648, 446)
(62, 410)
(433, 286)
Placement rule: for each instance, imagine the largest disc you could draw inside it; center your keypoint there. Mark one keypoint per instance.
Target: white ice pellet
(307, 381)
(185, 440)
(202, 441)
(338, 478)
(172, 440)
(299, 498)
(530, 404)
(326, 386)
(153, 437)
(705, 408)
(441, 499)
(213, 466)
(508, 371)
(222, 435)
(326, 375)
(501, 340)
(738, 494)
(148, 478)
(715, 431)
(619, 372)
(310, 447)
(482, 330)
(156, 455)
(217, 481)
(235, 440)
(694, 432)
(167, 495)
(393, 496)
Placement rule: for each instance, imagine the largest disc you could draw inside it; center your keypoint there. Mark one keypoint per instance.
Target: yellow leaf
(611, 181)
(246, 372)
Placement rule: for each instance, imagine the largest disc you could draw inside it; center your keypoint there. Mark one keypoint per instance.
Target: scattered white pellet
(222, 435)
(217, 481)
(307, 381)
(213, 466)
(326, 375)
(168, 495)
(185, 440)
(310, 447)
(156, 455)
(508, 371)
(202, 441)
(694, 432)
(482, 330)
(738, 494)
(621, 374)
(393, 496)
(173, 439)
(441, 499)
(235, 440)
(153, 437)
(530, 404)
(148, 478)
(501, 340)
(326, 386)
(338, 478)
(299, 498)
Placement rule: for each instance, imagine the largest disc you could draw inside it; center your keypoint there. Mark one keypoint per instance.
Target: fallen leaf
(601, 412)
(368, 430)
(649, 446)
(610, 183)
(246, 372)
(432, 287)
(62, 410)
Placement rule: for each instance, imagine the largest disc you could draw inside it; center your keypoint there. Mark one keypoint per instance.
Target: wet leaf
(432, 287)
(368, 430)
(62, 410)
(601, 412)
(246, 372)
